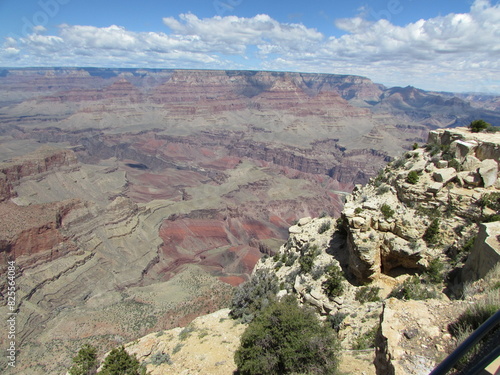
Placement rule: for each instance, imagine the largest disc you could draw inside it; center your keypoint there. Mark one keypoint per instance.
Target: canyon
(134, 200)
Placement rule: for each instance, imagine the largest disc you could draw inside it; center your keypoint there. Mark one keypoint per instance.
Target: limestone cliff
(448, 182)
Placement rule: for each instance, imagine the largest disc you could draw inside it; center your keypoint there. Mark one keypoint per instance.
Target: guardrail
(467, 345)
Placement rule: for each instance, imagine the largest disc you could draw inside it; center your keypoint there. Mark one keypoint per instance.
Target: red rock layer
(33, 231)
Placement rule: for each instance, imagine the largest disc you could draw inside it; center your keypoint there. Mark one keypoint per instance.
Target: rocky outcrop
(387, 219)
(205, 346)
(414, 335)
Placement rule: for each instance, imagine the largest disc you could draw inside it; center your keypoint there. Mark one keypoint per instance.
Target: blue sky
(436, 45)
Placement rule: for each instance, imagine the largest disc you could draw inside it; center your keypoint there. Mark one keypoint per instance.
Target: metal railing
(467, 345)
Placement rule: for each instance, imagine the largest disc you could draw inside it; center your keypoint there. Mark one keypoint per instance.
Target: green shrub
(415, 146)
(306, 261)
(85, 362)
(160, 358)
(177, 348)
(291, 260)
(358, 210)
(254, 295)
(326, 225)
(387, 211)
(367, 294)
(333, 286)
(339, 223)
(287, 339)
(454, 163)
(412, 288)
(477, 126)
(120, 362)
(446, 153)
(433, 148)
(412, 177)
(398, 163)
(186, 332)
(434, 271)
(317, 272)
(490, 200)
(459, 254)
(490, 218)
(431, 233)
(366, 340)
(382, 189)
(336, 320)
(431, 213)
(380, 178)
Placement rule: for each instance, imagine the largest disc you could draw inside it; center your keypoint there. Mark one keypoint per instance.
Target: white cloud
(453, 52)
(39, 29)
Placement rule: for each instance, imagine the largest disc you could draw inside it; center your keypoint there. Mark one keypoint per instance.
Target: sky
(442, 45)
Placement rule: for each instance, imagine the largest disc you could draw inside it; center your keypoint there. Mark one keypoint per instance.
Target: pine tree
(85, 362)
(119, 362)
(287, 339)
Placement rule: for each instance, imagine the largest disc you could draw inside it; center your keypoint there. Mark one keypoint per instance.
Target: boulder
(440, 164)
(313, 301)
(430, 167)
(435, 187)
(444, 175)
(488, 170)
(281, 294)
(434, 137)
(303, 221)
(295, 229)
(471, 163)
(463, 149)
(419, 166)
(357, 222)
(470, 179)
(485, 253)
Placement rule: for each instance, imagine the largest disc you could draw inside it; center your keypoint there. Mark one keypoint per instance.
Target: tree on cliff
(119, 362)
(286, 339)
(85, 362)
(479, 125)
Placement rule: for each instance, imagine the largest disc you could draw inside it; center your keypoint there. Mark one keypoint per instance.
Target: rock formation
(382, 240)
